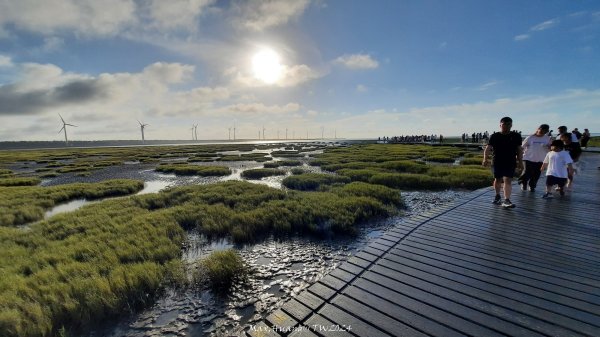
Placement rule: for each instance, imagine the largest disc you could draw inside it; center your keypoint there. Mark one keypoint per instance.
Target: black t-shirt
(505, 148)
(574, 150)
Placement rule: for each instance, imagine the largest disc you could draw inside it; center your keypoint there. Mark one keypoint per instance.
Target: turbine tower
(233, 130)
(264, 132)
(229, 133)
(64, 127)
(142, 126)
(196, 131)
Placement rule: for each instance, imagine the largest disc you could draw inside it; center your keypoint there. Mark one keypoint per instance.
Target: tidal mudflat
(136, 255)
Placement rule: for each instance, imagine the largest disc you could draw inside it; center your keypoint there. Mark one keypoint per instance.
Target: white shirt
(536, 147)
(557, 163)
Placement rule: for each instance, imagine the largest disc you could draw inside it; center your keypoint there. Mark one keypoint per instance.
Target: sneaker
(547, 196)
(532, 189)
(561, 191)
(508, 204)
(496, 199)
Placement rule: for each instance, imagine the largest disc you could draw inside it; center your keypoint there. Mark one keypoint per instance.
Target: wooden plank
(462, 312)
(526, 267)
(410, 312)
(322, 291)
(516, 245)
(523, 303)
(324, 327)
(296, 310)
(510, 250)
(513, 271)
(531, 294)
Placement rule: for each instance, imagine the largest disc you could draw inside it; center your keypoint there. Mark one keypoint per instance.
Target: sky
(332, 68)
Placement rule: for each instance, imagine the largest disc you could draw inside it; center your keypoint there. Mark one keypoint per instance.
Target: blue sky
(357, 69)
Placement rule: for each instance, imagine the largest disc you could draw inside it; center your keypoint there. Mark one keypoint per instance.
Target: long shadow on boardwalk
(471, 268)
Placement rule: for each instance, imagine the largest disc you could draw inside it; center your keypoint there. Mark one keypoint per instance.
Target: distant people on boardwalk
(585, 138)
(559, 166)
(563, 129)
(415, 139)
(535, 148)
(475, 137)
(507, 156)
(574, 150)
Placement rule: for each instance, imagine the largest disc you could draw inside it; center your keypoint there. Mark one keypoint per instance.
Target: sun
(266, 66)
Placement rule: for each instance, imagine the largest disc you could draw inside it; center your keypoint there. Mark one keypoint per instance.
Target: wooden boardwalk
(470, 268)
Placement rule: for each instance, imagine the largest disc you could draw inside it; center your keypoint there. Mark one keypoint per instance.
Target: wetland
(198, 240)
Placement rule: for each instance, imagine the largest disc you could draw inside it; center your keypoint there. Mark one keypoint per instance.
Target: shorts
(501, 171)
(552, 180)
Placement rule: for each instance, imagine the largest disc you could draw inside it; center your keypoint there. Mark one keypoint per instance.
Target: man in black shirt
(507, 156)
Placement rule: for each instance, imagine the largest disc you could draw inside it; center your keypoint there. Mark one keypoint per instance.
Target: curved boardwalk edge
(468, 268)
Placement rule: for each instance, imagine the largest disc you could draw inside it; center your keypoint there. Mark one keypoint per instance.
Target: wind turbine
(196, 131)
(64, 127)
(264, 132)
(229, 133)
(234, 130)
(142, 126)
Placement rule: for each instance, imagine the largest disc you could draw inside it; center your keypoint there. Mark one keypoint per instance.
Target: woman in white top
(535, 148)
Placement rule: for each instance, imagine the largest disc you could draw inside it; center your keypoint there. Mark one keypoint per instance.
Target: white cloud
(52, 44)
(487, 85)
(443, 45)
(245, 109)
(527, 112)
(259, 15)
(5, 61)
(522, 37)
(290, 76)
(357, 61)
(312, 113)
(176, 14)
(85, 17)
(545, 25)
(361, 88)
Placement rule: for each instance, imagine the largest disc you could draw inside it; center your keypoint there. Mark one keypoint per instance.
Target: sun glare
(266, 66)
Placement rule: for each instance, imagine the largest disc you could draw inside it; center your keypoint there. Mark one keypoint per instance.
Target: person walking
(535, 148)
(574, 150)
(585, 138)
(507, 156)
(559, 165)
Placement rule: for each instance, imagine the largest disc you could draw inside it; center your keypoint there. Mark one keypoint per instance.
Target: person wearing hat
(507, 154)
(535, 148)
(563, 129)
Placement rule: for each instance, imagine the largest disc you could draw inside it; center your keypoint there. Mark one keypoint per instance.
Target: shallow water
(281, 268)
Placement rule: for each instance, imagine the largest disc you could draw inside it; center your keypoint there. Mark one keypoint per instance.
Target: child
(574, 150)
(559, 165)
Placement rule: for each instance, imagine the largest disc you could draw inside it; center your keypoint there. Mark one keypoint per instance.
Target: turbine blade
(59, 131)
(70, 124)
(61, 118)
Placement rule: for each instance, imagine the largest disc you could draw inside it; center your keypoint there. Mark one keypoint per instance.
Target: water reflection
(66, 207)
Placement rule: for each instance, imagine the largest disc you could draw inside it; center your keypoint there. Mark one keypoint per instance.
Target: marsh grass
(185, 169)
(276, 164)
(220, 269)
(19, 181)
(20, 205)
(261, 173)
(114, 256)
(313, 181)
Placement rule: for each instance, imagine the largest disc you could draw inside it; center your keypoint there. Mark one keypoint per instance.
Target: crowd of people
(531, 156)
(475, 137)
(413, 139)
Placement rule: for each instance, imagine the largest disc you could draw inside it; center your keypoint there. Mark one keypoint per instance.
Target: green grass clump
(48, 175)
(261, 173)
(312, 181)
(220, 268)
(409, 181)
(276, 164)
(25, 181)
(472, 161)
(19, 205)
(405, 166)
(298, 170)
(258, 157)
(440, 158)
(204, 171)
(358, 175)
